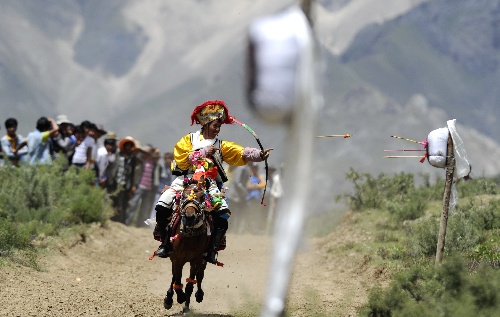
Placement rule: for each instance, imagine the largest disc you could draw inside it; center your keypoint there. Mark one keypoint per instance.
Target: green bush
(446, 290)
(496, 180)
(467, 282)
(13, 236)
(46, 199)
(372, 193)
(422, 237)
(410, 208)
(398, 194)
(474, 187)
(468, 228)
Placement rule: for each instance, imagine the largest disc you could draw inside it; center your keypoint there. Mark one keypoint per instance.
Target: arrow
(404, 156)
(404, 150)
(398, 137)
(345, 136)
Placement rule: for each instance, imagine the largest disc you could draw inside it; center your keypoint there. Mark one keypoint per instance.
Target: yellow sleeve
(232, 153)
(45, 136)
(181, 152)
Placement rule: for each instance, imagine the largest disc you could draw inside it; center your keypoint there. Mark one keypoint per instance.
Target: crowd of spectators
(132, 174)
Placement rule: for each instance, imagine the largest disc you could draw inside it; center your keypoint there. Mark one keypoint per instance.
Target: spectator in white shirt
(105, 162)
(82, 157)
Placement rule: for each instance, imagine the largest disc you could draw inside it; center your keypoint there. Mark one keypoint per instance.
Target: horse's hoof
(167, 302)
(181, 298)
(185, 310)
(199, 295)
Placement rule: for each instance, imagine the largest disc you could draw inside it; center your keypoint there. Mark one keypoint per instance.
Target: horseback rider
(210, 115)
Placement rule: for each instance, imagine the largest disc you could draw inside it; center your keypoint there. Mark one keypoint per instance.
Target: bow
(233, 120)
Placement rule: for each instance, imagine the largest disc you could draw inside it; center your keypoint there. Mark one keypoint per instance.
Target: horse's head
(192, 205)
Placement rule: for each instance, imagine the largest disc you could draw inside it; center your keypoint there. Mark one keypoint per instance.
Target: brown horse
(189, 243)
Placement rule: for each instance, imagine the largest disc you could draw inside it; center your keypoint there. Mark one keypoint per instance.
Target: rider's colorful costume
(187, 150)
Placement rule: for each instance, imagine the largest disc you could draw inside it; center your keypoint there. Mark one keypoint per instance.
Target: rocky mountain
(448, 51)
(389, 67)
(406, 75)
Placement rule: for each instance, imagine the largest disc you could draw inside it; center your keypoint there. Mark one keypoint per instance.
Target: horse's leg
(199, 278)
(189, 287)
(168, 300)
(176, 281)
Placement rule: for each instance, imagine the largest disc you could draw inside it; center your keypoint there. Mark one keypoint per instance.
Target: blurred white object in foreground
(282, 89)
(277, 46)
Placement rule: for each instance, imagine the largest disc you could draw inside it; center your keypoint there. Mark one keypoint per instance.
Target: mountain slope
(448, 51)
(139, 67)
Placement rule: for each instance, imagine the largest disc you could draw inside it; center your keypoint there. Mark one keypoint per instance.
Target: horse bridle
(192, 201)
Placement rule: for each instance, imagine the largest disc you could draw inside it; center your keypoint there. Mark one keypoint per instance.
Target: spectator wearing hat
(64, 141)
(39, 141)
(126, 162)
(82, 156)
(11, 141)
(105, 162)
(145, 187)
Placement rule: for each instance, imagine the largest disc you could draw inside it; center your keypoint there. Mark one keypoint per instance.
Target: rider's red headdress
(210, 111)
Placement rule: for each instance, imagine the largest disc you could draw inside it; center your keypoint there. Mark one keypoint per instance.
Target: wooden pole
(450, 169)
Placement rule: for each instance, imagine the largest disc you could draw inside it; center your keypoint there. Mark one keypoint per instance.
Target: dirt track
(110, 275)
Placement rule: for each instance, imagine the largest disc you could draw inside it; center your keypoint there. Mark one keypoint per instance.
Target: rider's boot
(216, 240)
(163, 216)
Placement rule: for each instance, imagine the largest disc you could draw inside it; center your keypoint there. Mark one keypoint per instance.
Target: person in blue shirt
(38, 141)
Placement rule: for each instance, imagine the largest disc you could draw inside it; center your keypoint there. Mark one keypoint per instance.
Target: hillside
(389, 67)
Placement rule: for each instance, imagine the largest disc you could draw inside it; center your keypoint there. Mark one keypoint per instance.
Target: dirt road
(110, 275)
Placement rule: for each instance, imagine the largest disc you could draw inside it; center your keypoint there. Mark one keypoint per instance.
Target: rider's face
(213, 128)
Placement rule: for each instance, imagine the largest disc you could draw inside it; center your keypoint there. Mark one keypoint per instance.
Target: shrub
(422, 237)
(45, 199)
(12, 236)
(372, 193)
(410, 208)
(472, 230)
(481, 186)
(446, 290)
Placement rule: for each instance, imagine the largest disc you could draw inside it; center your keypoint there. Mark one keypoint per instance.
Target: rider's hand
(211, 150)
(265, 154)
